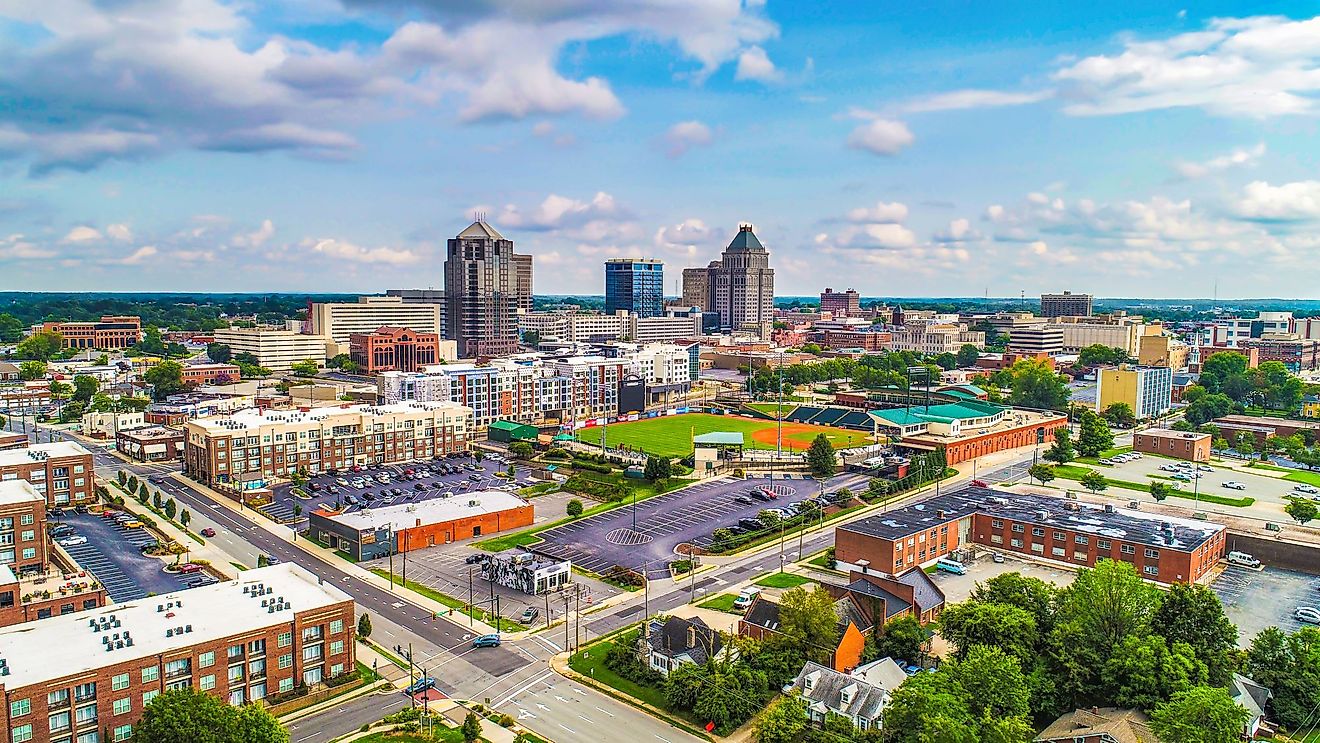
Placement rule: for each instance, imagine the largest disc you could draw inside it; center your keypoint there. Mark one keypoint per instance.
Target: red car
(208, 532)
(980, 483)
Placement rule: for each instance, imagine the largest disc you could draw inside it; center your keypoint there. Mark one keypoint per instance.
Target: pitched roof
(671, 639)
(828, 687)
(1121, 725)
(480, 228)
(925, 594)
(1249, 695)
(746, 240)
(893, 604)
(885, 673)
(763, 613)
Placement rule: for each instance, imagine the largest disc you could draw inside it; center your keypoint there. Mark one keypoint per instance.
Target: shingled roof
(1118, 724)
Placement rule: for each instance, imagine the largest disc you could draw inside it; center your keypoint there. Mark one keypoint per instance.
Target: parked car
(997, 557)
(950, 566)
(529, 615)
(63, 530)
(1205, 468)
(1309, 489)
(425, 683)
(1234, 485)
(1242, 558)
(486, 641)
(82, 508)
(208, 532)
(72, 541)
(744, 499)
(1180, 477)
(352, 500)
(1308, 614)
(473, 559)
(746, 596)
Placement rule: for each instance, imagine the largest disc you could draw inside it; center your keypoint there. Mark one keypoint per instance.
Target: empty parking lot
(112, 554)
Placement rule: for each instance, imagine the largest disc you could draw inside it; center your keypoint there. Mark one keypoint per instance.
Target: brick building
(394, 349)
(22, 527)
(968, 429)
(250, 448)
(112, 332)
(842, 304)
(402, 528)
(88, 676)
(863, 339)
(200, 374)
(61, 471)
(1297, 353)
(150, 443)
(1262, 427)
(1193, 447)
(1165, 549)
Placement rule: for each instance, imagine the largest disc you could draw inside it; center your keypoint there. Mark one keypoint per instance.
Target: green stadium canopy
(719, 438)
(966, 410)
(508, 431)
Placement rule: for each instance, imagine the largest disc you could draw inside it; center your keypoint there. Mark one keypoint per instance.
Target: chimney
(691, 636)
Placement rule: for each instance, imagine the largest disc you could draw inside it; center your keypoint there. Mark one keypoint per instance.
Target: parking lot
(1254, 600)
(428, 479)
(959, 587)
(113, 554)
(1262, 487)
(665, 521)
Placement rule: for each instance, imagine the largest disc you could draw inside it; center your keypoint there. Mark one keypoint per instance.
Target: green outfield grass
(671, 436)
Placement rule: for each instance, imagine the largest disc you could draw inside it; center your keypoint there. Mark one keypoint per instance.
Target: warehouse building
(378, 532)
(509, 432)
(1164, 549)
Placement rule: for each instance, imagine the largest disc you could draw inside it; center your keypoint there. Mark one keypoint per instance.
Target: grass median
(782, 580)
(1075, 473)
(481, 615)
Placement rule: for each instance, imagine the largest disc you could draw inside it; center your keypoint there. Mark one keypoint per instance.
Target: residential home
(1099, 725)
(673, 642)
(827, 691)
(1252, 697)
(8, 372)
(1310, 403)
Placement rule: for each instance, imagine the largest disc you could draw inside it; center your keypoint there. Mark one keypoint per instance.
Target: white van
(745, 597)
(1243, 559)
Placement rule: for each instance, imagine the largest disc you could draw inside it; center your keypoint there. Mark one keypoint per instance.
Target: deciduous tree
(821, 459)
(1095, 436)
(1202, 714)
(972, 623)
(1193, 614)
(1061, 451)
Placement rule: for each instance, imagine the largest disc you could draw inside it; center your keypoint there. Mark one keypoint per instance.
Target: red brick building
(1194, 447)
(1164, 549)
(92, 673)
(394, 349)
(61, 471)
(112, 332)
(404, 528)
(867, 341)
(199, 374)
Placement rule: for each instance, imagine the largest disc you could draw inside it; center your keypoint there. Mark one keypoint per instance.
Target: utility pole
(469, 606)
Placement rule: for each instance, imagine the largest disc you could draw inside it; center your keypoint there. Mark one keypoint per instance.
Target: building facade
(1194, 447)
(88, 676)
(1103, 330)
(397, 349)
(111, 333)
(405, 527)
(481, 293)
(1067, 303)
(635, 285)
(740, 287)
(22, 527)
(197, 375)
(931, 337)
(150, 443)
(1148, 390)
(339, 321)
(842, 304)
(1297, 353)
(276, 349)
(522, 281)
(60, 471)
(1037, 339)
(249, 449)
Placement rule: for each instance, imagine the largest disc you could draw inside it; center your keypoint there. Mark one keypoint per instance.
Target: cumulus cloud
(881, 137)
(755, 64)
(120, 232)
(1299, 200)
(257, 237)
(1239, 158)
(684, 236)
(17, 247)
(347, 251)
(137, 257)
(881, 212)
(82, 234)
(959, 230)
(685, 135)
(559, 212)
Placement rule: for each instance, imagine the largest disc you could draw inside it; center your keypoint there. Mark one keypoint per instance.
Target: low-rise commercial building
(379, 532)
(197, 375)
(935, 338)
(966, 430)
(1164, 549)
(61, 471)
(339, 321)
(1037, 339)
(88, 676)
(1262, 427)
(867, 340)
(113, 332)
(399, 349)
(276, 349)
(150, 443)
(1194, 447)
(1113, 331)
(1293, 351)
(533, 574)
(1148, 390)
(249, 449)
(106, 425)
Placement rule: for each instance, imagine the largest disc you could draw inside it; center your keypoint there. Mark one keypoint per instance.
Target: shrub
(603, 491)
(507, 721)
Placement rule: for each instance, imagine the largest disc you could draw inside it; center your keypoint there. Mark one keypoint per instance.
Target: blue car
(422, 684)
(486, 641)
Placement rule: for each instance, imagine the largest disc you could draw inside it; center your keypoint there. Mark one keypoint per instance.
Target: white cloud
(755, 64)
(1236, 159)
(82, 233)
(959, 230)
(16, 247)
(1299, 200)
(684, 236)
(346, 251)
(120, 232)
(881, 137)
(965, 99)
(256, 238)
(881, 212)
(137, 257)
(685, 135)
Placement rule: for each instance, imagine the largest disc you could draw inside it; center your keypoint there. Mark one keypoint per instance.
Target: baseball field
(672, 435)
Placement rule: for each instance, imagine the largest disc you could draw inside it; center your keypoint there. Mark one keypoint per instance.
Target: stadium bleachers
(857, 420)
(803, 413)
(829, 416)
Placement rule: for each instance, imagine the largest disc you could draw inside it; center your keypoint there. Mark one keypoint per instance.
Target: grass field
(782, 580)
(1310, 478)
(671, 436)
(722, 602)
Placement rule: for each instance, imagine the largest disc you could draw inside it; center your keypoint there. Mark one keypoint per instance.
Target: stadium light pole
(779, 413)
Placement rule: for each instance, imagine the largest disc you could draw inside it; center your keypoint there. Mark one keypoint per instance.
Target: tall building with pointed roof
(740, 286)
(482, 292)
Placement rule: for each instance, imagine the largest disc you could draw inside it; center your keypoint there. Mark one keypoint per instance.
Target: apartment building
(599, 328)
(61, 471)
(197, 375)
(1067, 303)
(1231, 331)
(399, 349)
(1148, 390)
(251, 448)
(22, 527)
(841, 304)
(1164, 549)
(277, 349)
(933, 337)
(1291, 349)
(88, 676)
(112, 332)
(339, 321)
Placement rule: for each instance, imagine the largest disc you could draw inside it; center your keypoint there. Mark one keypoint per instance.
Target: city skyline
(958, 152)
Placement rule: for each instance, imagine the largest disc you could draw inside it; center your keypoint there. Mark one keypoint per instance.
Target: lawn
(722, 602)
(783, 580)
(769, 408)
(591, 662)
(672, 435)
(1310, 478)
(1073, 472)
(480, 615)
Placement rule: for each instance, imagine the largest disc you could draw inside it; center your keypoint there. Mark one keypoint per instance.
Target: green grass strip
(782, 580)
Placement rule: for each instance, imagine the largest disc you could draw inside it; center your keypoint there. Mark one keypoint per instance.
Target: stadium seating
(829, 416)
(803, 413)
(857, 420)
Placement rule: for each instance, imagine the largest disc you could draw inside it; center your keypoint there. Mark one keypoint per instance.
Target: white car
(1234, 485)
(1168, 468)
(1205, 468)
(1306, 489)
(73, 541)
(1308, 614)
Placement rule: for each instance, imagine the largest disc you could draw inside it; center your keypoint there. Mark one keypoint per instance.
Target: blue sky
(954, 148)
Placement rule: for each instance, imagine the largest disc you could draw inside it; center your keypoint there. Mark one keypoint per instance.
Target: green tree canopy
(1192, 614)
(1145, 671)
(967, 355)
(165, 378)
(1036, 385)
(1120, 414)
(1202, 714)
(821, 459)
(901, 638)
(807, 621)
(219, 353)
(1042, 473)
(973, 623)
(1061, 451)
(1094, 481)
(1032, 595)
(784, 722)
(198, 717)
(930, 708)
(84, 386)
(304, 368)
(11, 328)
(30, 371)
(1095, 436)
(42, 346)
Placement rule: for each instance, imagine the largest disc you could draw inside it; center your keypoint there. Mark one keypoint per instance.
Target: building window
(336, 669)
(20, 707)
(1037, 531)
(58, 722)
(236, 697)
(123, 732)
(1127, 549)
(23, 733)
(57, 698)
(1151, 570)
(1038, 549)
(1102, 544)
(91, 736)
(83, 692)
(1058, 551)
(286, 684)
(235, 673)
(996, 539)
(207, 682)
(1016, 543)
(336, 626)
(119, 682)
(121, 706)
(1079, 539)
(150, 673)
(85, 715)
(286, 660)
(996, 523)
(26, 519)
(1152, 554)
(312, 652)
(206, 660)
(148, 696)
(312, 676)
(314, 633)
(336, 647)
(1017, 528)
(235, 651)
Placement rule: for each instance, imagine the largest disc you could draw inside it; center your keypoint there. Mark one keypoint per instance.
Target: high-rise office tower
(522, 269)
(636, 285)
(744, 285)
(697, 286)
(481, 292)
(1065, 305)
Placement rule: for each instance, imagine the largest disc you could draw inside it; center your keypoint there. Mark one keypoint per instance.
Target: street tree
(31, 371)
(1160, 490)
(521, 450)
(304, 368)
(165, 378)
(1301, 510)
(171, 509)
(364, 626)
(1120, 414)
(1095, 436)
(1037, 385)
(784, 722)
(967, 355)
(930, 708)
(185, 517)
(1094, 481)
(1203, 714)
(471, 728)
(821, 459)
(84, 386)
(1042, 473)
(574, 508)
(1061, 451)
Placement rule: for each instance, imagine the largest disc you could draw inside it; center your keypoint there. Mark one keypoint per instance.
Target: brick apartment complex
(249, 448)
(200, 374)
(1164, 549)
(112, 332)
(61, 471)
(36, 581)
(403, 528)
(88, 676)
(22, 528)
(394, 349)
(9, 440)
(1194, 447)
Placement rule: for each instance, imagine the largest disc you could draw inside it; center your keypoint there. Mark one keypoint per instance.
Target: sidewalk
(219, 559)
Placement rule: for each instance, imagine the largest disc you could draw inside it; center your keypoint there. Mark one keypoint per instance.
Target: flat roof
(47, 649)
(1116, 523)
(150, 432)
(51, 450)
(1169, 433)
(430, 511)
(726, 438)
(256, 417)
(19, 491)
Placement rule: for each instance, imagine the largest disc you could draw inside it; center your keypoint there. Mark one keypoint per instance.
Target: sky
(1134, 149)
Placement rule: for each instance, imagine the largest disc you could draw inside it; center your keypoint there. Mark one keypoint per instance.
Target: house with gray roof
(861, 698)
(1252, 697)
(673, 642)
